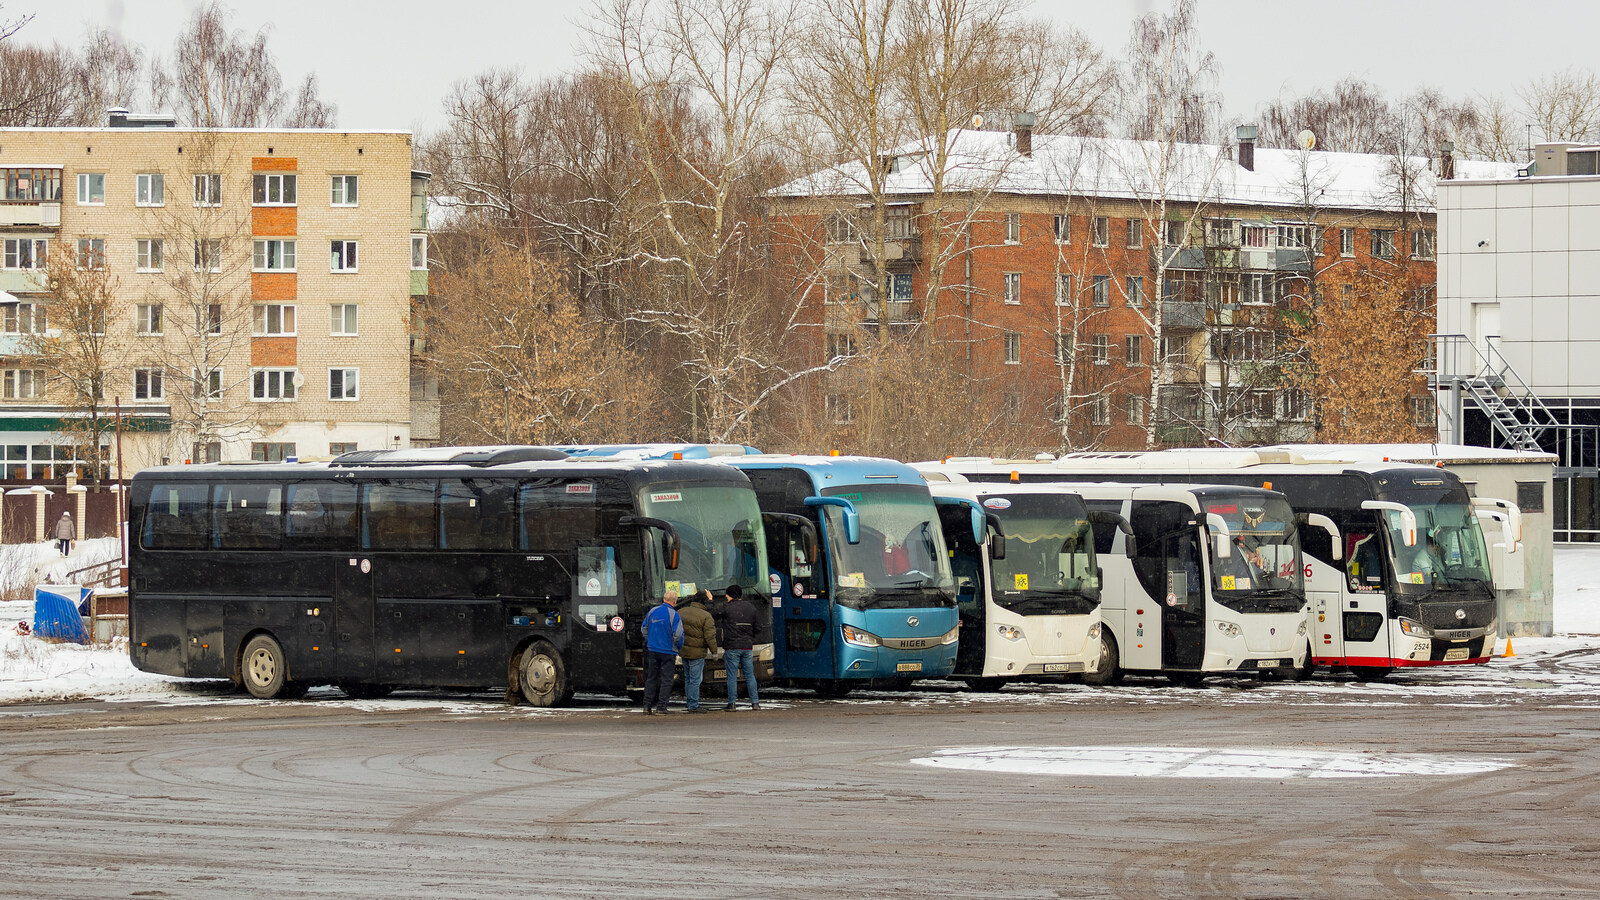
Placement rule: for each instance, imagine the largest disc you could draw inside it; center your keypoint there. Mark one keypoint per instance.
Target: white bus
(1202, 580)
(1029, 593)
(1406, 583)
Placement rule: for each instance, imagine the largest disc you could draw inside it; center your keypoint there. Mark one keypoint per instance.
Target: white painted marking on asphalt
(1196, 762)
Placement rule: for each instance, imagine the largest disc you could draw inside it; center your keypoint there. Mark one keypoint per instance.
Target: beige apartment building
(258, 284)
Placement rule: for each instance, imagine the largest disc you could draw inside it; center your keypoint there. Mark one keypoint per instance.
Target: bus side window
(965, 564)
(597, 571)
(476, 514)
(322, 516)
(398, 515)
(178, 517)
(1105, 535)
(249, 515)
(556, 514)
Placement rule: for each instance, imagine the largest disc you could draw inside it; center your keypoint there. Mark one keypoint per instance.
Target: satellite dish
(1306, 139)
(299, 380)
(977, 121)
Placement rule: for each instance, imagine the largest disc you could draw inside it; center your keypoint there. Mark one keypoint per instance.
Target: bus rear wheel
(1370, 673)
(1110, 669)
(986, 685)
(262, 668)
(543, 676)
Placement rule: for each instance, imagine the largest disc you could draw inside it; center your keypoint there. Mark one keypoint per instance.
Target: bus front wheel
(543, 676)
(263, 668)
(1110, 669)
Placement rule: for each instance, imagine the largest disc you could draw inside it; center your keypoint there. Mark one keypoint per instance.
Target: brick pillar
(81, 494)
(38, 515)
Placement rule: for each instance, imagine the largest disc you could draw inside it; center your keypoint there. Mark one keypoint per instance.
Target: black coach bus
(463, 568)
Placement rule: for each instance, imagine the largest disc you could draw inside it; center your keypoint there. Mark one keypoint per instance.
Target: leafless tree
(107, 74)
(1563, 106)
(1354, 117)
(36, 85)
(308, 110)
(79, 353)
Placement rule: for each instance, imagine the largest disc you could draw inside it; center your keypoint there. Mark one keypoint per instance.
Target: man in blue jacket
(663, 636)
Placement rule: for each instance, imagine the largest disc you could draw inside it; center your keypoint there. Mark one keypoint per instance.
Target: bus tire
(1110, 669)
(1186, 679)
(262, 667)
(1302, 672)
(986, 685)
(543, 676)
(1370, 673)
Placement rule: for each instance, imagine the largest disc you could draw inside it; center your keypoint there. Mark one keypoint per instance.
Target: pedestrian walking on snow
(66, 533)
(663, 635)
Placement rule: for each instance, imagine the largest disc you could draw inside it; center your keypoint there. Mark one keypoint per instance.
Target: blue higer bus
(876, 603)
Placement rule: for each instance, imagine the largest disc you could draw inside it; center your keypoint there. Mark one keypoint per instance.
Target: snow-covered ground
(1564, 668)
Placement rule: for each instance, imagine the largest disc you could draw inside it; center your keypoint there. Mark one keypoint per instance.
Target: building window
(1063, 228)
(1174, 349)
(344, 257)
(91, 189)
(1100, 231)
(343, 384)
(1136, 408)
(1013, 228)
(1296, 236)
(1135, 290)
(1253, 237)
(1013, 287)
(1013, 341)
(1530, 496)
(1296, 404)
(1063, 349)
(344, 190)
(148, 254)
(23, 384)
(208, 320)
(274, 189)
(1422, 244)
(1422, 414)
(272, 384)
(209, 452)
(1222, 232)
(339, 448)
(900, 287)
(1100, 349)
(840, 345)
(147, 318)
(208, 190)
(1177, 232)
(22, 318)
(841, 229)
(91, 253)
(32, 184)
(419, 251)
(343, 319)
(274, 319)
(1100, 289)
(838, 409)
(1135, 236)
(267, 451)
(207, 386)
(1258, 288)
(1063, 290)
(27, 253)
(149, 384)
(1011, 407)
(1133, 349)
(1383, 243)
(1347, 242)
(273, 256)
(150, 190)
(1100, 411)
(207, 255)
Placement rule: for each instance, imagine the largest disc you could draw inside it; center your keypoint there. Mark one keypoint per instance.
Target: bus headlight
(1301, 631)
(860, 638)
(1413, 628)
(949, 637)
(1228, 628)
(1094, 631)
(1010, 632)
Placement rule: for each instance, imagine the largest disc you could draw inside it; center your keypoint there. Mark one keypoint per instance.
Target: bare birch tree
(80, 353)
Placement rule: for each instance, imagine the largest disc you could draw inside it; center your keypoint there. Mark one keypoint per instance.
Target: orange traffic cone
(1508, 648)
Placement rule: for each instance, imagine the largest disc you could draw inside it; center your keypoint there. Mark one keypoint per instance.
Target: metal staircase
(1519, 418)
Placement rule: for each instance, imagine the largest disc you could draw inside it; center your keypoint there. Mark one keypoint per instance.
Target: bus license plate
(1456, 653)
(1055, 667)
(908, 667)
(718, 674)
(1269, 663)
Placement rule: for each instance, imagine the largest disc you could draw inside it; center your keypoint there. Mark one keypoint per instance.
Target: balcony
(1183, 315)
(839, 317)
(30, 215)
(22, 281)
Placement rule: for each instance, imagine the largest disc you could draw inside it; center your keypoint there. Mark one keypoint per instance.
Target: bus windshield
(720, 534)
(1262, 571)
(1049, 565)
(1449, 553)
(901, 558)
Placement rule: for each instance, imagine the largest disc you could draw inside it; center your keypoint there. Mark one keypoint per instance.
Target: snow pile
(1577, 586)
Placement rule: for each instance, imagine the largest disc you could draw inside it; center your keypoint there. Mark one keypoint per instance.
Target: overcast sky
(388, 63)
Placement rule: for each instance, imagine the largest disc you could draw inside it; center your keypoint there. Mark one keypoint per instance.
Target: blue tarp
(55, 612)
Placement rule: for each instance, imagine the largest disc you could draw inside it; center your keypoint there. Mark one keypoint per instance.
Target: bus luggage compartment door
(353, 619)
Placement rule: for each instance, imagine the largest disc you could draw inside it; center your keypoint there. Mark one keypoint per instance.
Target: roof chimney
(1022, 124)
(1447, 160)
(119, 117)
(1247, 146)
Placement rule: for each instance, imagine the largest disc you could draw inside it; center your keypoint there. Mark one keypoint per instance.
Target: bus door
(1325, 592)
(598, 649)
(802, 617)
(1125, 608)
(1363, 615)
(967, 565)
(1171, 571)
(353, 620)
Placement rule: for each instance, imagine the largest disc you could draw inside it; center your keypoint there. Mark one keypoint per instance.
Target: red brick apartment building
(1076, 269)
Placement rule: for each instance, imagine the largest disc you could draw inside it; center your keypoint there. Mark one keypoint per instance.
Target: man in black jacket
(738, 642)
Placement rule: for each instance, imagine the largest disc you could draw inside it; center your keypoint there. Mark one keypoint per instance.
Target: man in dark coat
(738, 642)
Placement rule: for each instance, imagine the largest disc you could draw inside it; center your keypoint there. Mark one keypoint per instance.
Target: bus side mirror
(1117, 521)
(1408, 519)
(810, 546)
(1219, 530)
(670, 551)
(1508, 514)
(1326, 524)
(852, 519)
(997, 539)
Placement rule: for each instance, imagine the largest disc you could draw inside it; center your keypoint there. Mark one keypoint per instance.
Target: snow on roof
(1423, 453)
(986, 161)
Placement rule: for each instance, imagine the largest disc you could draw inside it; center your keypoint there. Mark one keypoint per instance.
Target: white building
(1518, 348)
